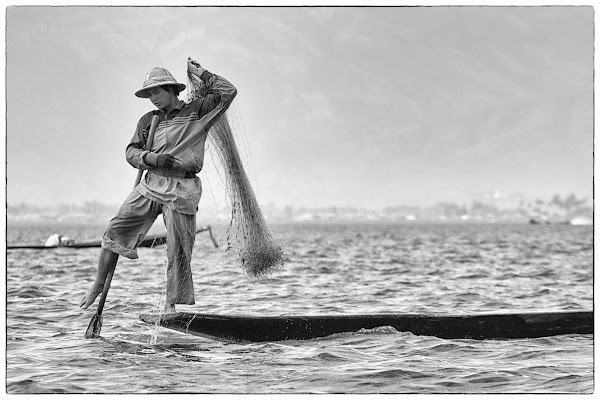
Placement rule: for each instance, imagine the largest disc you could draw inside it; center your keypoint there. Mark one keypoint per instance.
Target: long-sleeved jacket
(181, 133)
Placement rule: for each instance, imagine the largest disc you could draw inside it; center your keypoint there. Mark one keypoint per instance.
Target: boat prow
(475, 326)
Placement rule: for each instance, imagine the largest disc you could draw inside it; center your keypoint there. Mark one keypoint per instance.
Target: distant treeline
(501, 209)
(89, 207)
(555, 209)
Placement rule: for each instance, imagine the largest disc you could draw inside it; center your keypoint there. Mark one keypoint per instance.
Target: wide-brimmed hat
(158, 77)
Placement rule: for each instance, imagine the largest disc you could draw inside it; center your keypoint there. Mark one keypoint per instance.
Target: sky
(363, 107)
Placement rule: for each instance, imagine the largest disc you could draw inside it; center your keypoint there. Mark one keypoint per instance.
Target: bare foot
(91, 295)
(169, 308)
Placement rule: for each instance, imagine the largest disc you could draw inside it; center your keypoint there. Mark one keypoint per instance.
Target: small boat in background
(537, 221)
(581, 221)
(59, 241)
(572, 221)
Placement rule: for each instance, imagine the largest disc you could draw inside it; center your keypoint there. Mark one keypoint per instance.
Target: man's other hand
(167, 161)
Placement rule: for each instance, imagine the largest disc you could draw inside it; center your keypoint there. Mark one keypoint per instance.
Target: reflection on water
(332, 269)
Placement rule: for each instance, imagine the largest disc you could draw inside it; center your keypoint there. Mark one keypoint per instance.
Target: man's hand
(167, 161)
(193, 66)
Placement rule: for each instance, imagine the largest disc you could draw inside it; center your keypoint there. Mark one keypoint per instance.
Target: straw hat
(158, 77)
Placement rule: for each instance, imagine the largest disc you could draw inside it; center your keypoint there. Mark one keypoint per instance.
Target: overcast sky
(347, 106)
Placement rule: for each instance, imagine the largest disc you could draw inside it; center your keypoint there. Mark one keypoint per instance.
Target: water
(332, 269)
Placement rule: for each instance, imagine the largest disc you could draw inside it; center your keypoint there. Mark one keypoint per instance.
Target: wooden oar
(93, 330)
(149, 142)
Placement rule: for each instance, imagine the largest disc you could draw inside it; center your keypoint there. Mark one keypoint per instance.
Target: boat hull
(482, 326)
(149, 241)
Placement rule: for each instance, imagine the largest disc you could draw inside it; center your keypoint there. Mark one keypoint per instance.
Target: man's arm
(222, 94)
(135, 151)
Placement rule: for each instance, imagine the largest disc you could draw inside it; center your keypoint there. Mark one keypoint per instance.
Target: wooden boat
(149, 241)
(476, 326)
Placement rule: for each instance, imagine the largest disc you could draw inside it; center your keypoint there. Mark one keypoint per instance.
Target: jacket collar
(179, 106)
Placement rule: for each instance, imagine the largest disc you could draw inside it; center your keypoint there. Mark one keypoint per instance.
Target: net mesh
(249, 238)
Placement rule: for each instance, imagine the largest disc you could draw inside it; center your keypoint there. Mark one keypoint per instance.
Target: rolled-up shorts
(129, 227)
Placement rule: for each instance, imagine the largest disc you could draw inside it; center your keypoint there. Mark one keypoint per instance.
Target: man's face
(160, 97)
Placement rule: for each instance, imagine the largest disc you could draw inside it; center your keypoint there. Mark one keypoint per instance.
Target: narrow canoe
(476, 326)
(149, 241)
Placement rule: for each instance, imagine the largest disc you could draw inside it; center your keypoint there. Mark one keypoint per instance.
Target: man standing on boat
(170, 186)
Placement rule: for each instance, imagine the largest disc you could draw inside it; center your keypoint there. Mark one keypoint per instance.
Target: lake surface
(332, 269)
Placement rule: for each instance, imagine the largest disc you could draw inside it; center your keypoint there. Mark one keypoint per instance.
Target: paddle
(149, 142)
(93, 330)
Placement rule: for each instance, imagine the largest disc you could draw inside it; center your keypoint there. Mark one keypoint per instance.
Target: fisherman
(58, 240)
(170, 187)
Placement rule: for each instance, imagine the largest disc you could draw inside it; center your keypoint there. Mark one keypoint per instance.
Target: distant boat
(536, 221)
(581, 221)
(574, 221)
(57, 241)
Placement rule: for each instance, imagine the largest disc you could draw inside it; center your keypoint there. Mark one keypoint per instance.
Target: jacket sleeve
(221, 95)
(135, 151)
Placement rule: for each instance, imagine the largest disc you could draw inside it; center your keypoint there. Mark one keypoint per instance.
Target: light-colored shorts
(129, 227)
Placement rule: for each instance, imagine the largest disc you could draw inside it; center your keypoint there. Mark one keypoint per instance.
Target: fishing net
(248, 236)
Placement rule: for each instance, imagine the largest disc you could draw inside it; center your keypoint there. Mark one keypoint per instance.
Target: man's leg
(181, 233)
(106, 262)
(122, 237)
